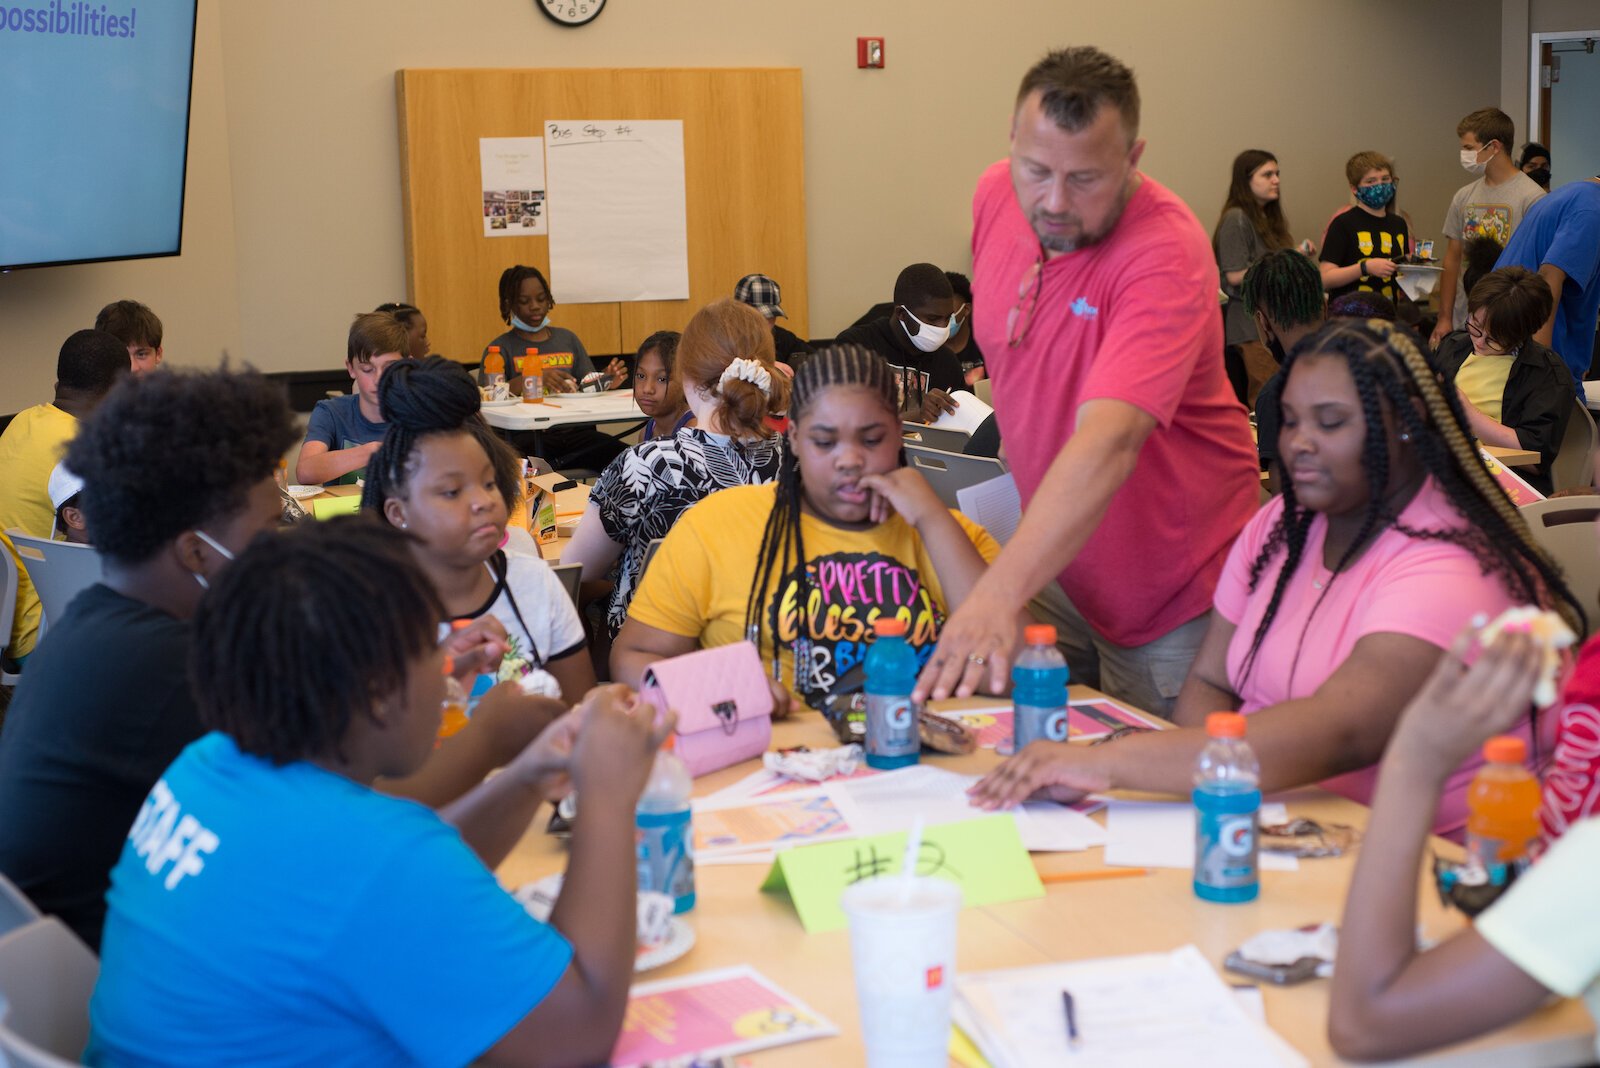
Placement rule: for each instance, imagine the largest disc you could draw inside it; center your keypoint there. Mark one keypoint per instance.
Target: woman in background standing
(1251, 225)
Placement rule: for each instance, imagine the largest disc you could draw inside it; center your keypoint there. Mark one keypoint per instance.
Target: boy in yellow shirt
(89, 364)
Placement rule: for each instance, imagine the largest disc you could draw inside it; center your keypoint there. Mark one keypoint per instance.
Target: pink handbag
(723, 703)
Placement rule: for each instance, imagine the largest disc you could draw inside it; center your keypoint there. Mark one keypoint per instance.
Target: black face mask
(1540, 175)
(1275, 347)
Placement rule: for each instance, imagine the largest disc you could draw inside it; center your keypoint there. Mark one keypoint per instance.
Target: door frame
(1536, 111)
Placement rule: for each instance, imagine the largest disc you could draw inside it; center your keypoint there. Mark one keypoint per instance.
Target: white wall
(1575, 117)
(293, 220)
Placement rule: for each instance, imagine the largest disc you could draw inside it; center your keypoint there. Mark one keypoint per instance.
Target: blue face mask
(1376, 196)
(520, 325)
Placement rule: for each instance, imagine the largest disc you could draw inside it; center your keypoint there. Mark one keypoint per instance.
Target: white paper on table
(1160, 834)
(512, 172)
(1248, 995)
(969, 414)
(1156, 1008)
(995, 505)
(618, 210)
(763, 857)
(743, 790)
(1418, 280)
(895, 800)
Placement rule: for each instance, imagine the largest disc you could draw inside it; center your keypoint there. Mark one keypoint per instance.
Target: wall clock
(571, 12)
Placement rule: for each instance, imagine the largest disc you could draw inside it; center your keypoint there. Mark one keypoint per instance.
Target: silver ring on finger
(976, 659)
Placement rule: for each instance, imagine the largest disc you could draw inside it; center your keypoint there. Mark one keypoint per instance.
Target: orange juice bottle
(1502, 804)
(532, 378)
(454, 715)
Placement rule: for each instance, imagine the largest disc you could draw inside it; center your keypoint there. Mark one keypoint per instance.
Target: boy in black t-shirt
(1364, 244)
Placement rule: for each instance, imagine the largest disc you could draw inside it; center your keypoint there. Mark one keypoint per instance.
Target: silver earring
(1405, 437)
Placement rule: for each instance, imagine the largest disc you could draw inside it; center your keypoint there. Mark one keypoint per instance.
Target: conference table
(737, 924)
(1512, 457)
(571, 499)
(564, 409)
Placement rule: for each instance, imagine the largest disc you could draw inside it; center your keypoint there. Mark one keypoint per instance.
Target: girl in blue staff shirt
(270, 907)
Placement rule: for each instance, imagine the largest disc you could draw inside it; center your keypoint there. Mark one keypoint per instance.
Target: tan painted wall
(293, 220)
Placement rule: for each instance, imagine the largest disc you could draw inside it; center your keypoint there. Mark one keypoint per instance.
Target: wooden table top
(737, 924)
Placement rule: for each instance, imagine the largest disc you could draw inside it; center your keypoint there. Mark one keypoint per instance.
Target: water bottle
(663, 837)
(1227, 802)
(1039, 690)
(892, 737)
(1502, 807)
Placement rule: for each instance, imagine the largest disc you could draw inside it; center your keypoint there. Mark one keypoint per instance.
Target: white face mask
(1469, 161)
(928, 338)
(221, 550)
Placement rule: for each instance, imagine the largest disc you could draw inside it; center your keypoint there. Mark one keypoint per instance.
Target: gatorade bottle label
(664, 852)
(891, 731)
(1034, 724)
(1225, 846)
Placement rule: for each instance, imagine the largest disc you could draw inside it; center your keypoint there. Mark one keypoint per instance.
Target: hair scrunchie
(749, 371)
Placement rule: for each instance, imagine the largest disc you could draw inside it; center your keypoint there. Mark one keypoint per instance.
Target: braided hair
(511, 280)
(782, 543)
(1285, 286)
(333, 615)
(400, 310)
(1390, 372)
(419, 398)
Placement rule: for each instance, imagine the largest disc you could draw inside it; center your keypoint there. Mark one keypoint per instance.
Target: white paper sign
(513, 186)
(618, 214)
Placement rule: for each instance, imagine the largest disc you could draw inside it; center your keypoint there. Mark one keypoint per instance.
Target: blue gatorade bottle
(892, 737)
(1227, 804)
(1039, 690)
(664, 832)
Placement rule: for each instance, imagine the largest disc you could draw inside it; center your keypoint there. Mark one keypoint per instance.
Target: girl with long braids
(1340, 596)
(445, 478)
(803, 566)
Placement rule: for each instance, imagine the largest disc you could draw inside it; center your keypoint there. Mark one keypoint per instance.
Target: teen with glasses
(1516, 392)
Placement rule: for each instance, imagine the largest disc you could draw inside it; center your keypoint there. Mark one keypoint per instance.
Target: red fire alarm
(869, 52)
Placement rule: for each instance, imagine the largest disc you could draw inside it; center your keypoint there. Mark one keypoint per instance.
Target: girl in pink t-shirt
(1339, 597)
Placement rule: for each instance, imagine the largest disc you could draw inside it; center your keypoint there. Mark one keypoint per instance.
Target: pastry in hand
(1548, 630)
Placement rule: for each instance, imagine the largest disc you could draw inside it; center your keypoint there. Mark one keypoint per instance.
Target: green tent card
(985, 857)
(328, 507)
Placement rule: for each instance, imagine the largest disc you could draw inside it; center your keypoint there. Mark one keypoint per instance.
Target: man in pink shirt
(1095, 304)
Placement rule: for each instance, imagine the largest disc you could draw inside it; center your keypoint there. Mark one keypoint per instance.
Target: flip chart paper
(618, 210)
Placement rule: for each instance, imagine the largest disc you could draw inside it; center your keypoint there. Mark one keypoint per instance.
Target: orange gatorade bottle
(494, 375)
(454, 713)
(532, 378)
(1502, 805)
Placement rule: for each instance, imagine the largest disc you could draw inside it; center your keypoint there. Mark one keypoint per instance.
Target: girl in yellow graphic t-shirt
(804, 565)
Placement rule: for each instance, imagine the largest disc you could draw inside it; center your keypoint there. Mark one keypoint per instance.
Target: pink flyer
(717, 1013)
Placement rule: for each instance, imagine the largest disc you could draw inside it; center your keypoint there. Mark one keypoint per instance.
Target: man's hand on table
(975, 649)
